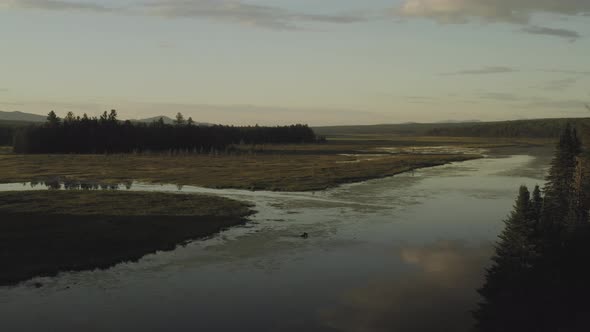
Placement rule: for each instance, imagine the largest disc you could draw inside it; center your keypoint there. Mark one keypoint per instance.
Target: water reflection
(58, 184)
(433, 296)
(374, 261)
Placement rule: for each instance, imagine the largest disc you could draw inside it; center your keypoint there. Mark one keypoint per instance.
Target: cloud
(572, 72)
(233, 11)
(421, 99)
(562, 33)
(557, 104)
(536, 102)
(559, 85)
(511, 11)
(499, 96)
(483, 71)
(58, 5)
(493, 11)
(240, 12)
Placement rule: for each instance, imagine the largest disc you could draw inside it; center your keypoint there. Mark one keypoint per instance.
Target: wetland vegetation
(45, 232)
(281, 172)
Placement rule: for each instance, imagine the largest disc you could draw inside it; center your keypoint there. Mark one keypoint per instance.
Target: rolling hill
(20, 116)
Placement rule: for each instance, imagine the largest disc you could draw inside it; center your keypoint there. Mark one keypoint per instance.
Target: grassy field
(291, 172)
(308, 167)
(45, 232)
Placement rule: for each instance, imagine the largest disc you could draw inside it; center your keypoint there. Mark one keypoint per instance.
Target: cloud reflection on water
(437, 294)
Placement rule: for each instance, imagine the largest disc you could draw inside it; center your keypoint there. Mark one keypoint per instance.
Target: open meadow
(280, 167)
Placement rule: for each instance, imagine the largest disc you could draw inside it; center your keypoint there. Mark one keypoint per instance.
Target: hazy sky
(305, 61)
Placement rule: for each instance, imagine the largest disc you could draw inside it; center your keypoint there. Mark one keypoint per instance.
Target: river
(404, 253)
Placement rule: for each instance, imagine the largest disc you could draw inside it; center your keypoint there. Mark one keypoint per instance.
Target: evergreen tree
(108, 135)
(539, 277)
(70, 118)
(507, 290)
(104, 117)
(576, 142)
(179, 119)
(578, 205)
(560, 184)
(537, 203)
(52, 119)
(113, 116)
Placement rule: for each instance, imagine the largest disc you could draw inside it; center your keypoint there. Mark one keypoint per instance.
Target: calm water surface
(404, 253)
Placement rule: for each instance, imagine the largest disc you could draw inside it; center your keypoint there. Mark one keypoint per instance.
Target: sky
(319, 62)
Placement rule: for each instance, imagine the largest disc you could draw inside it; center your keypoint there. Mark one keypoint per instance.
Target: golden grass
(292, 172)
(262, 167)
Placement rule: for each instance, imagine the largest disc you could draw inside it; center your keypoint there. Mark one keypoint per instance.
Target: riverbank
(429, 246)
(257, 171)
(45, 232)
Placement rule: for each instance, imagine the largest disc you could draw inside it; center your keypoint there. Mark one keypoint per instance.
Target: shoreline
(116, 186)
(281, 173)
(36, 242)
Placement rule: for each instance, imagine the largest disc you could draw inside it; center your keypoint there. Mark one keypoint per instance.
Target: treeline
(541, 128)
(6, 134)
(540, 276)
(7, 130)
(106, 134)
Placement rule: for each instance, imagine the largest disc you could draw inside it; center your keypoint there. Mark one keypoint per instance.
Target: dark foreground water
(399, 254)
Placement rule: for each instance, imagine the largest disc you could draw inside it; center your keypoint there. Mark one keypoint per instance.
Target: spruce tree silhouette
(539, 276)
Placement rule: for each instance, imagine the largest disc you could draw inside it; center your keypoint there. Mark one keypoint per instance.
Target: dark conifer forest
(107, 134)
(537, 128)
(539, 279)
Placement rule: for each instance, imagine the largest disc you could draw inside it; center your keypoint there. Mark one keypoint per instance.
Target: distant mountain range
(459, 121)
(20, 116)
(167, 120)
(29, 117)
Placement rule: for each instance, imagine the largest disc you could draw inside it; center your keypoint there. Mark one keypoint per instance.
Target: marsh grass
(280, 172)
(45, 232)
(293, 167)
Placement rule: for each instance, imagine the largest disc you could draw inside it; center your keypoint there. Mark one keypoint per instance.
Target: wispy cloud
(499, 96)
(562, 33)
(565, 71)
(557, 104)
(483, 71)
(533, 102)
(512, 11)
(559, 85)
(233, 11)
(241, 12)
(58, 5)
(506, 11)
